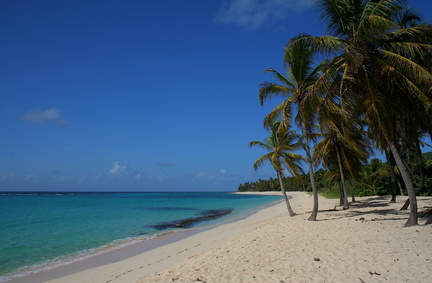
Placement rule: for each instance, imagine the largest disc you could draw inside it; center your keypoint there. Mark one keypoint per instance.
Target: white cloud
(256, 13)
(32, 177)
(137, 176)
(117, 169)
(48, 116)
(161, 177)
(200, 174)
(66, 178)
(223, 171)
(8, 177)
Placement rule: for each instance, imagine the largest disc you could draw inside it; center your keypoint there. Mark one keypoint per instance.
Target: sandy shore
(366, 243)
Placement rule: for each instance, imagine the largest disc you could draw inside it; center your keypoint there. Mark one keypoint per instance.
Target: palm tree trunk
(290, 211)
(400, 187)
(344, 191)
(422, 175)
(352, 192)
(392, 175)
(405, 205)
(313, 216)
(412, 220)
(421, 167)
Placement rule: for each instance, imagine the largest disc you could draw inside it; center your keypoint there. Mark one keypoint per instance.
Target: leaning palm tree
(293, 86)
(385, 69)
(281, 145)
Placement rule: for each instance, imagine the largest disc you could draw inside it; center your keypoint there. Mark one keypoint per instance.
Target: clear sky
(103, 95)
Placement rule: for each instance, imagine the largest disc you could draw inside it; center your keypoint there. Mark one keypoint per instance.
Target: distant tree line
(374, 179)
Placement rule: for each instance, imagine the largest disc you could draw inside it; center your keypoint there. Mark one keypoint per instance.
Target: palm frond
(326, 45)
(416, 77)
(336, 15)
(280, 112)
(267, 90)
(279, 77)
(407, 17)
(263, 159)
(260, 145)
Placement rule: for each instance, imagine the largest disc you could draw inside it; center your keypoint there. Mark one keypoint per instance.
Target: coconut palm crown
(281, 146)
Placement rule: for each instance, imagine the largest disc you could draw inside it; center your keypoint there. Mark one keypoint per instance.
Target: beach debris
(361, 280)
(426, 212)
(374, 273)
(317, 259)
(333, 209)
(362, 218)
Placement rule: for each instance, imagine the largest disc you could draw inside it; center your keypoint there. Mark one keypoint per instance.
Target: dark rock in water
(190, 222)
(170, 208)
(139, 233)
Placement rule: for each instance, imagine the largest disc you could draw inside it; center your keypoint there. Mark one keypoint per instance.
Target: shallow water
(41, 230)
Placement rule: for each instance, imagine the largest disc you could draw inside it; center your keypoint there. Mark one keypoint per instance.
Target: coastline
(115, 254)
(366, 243)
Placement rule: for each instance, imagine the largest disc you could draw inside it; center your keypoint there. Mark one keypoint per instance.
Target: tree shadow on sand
(372, 209)
(373, 201)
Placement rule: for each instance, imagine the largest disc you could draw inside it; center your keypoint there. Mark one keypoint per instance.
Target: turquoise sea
(42, 230)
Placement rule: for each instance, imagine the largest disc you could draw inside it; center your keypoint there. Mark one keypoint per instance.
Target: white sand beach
(367, 243)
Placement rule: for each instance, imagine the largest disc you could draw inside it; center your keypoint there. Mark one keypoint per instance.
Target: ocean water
(42, 230)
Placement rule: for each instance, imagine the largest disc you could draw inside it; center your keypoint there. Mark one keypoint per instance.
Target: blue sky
(139, 95)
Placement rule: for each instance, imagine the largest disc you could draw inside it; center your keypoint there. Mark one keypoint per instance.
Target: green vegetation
(330, 193)
(372, 91)
(374, 180)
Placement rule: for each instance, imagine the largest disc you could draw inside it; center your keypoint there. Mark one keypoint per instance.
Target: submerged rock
(190, 222)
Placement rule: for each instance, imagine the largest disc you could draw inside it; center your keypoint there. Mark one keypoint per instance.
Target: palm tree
(384, 69)
(393, 176)
(342, 147)
(300, 76)
(280, 146)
